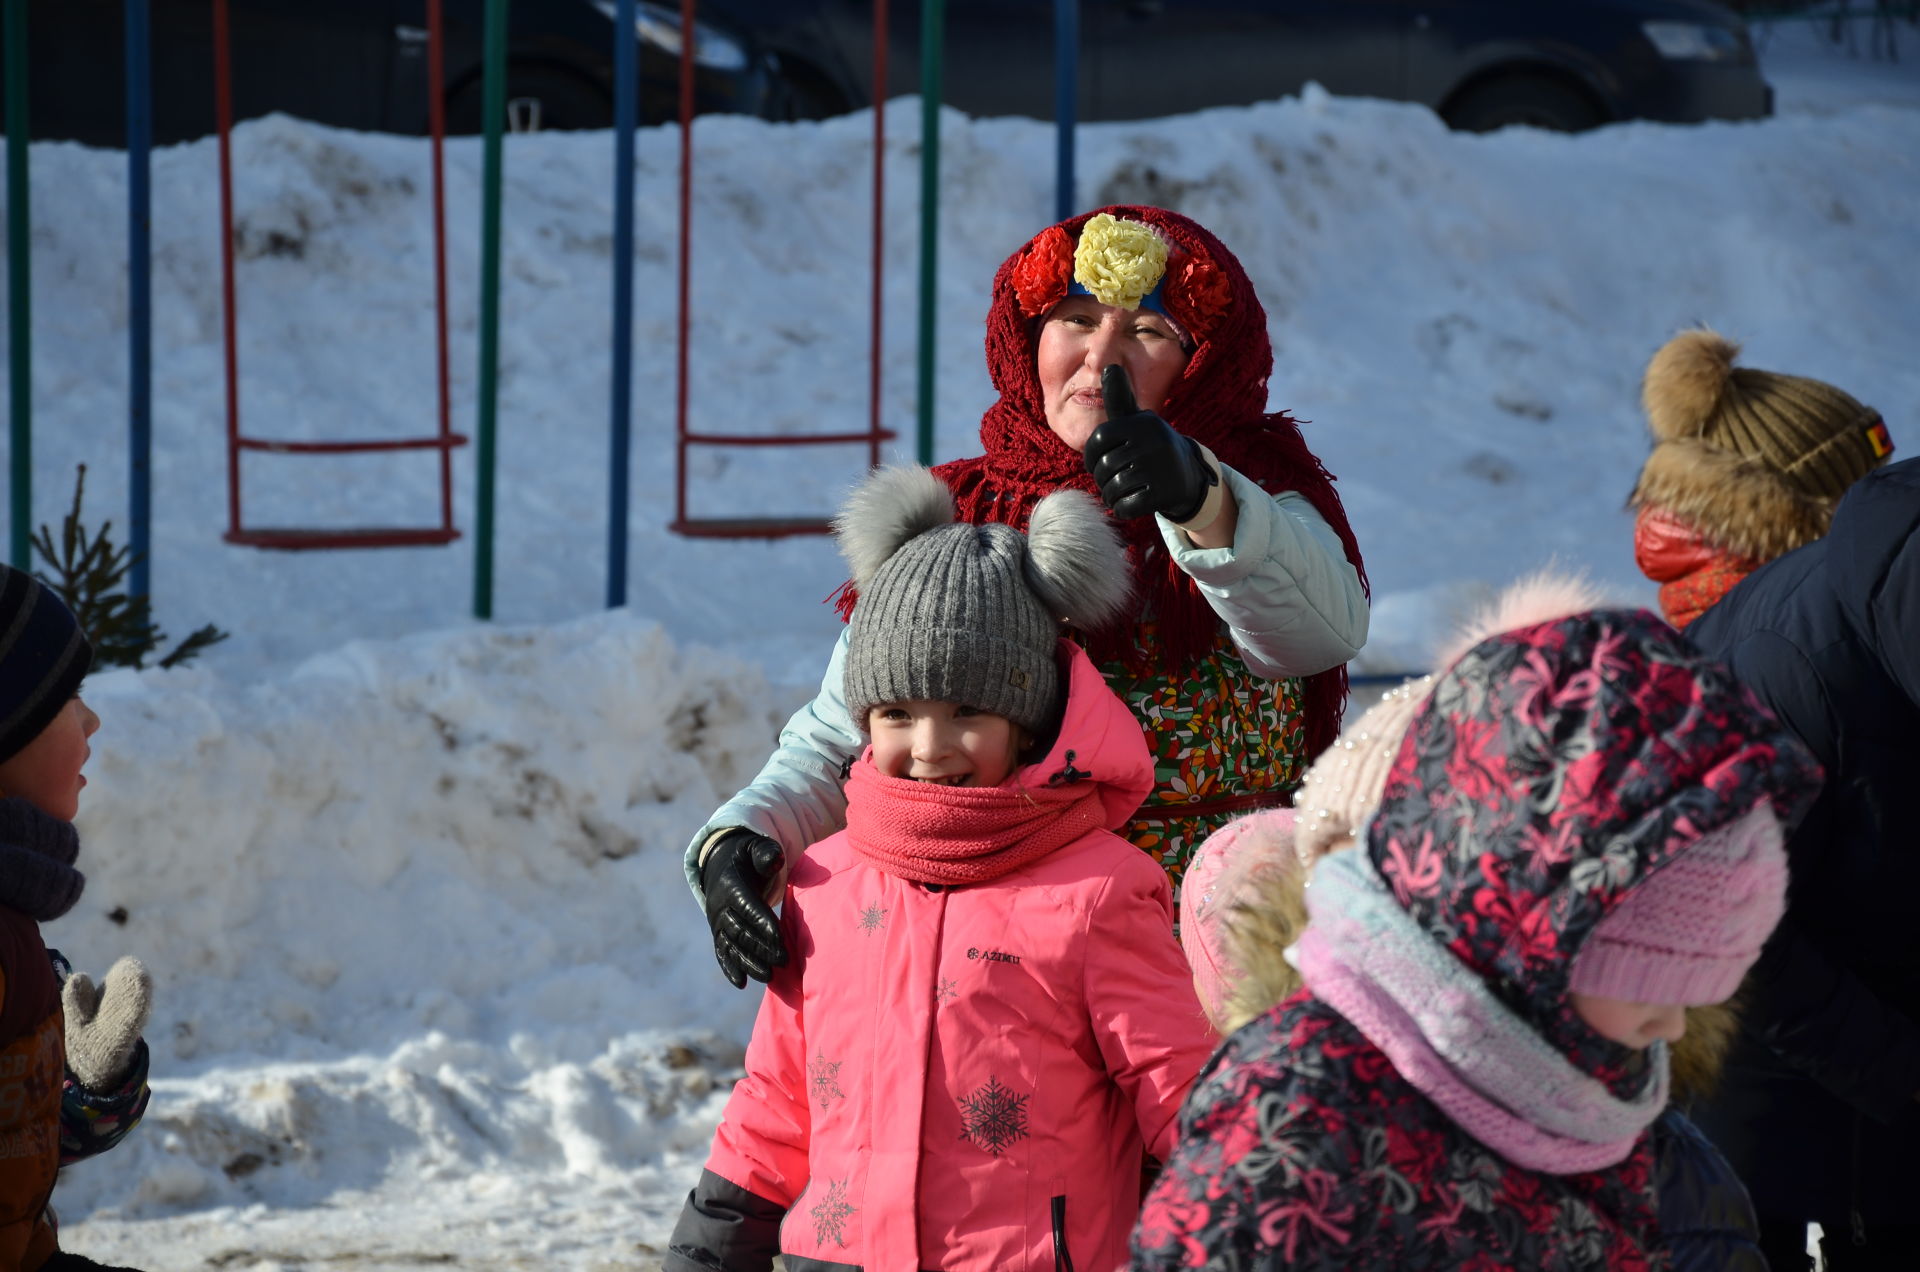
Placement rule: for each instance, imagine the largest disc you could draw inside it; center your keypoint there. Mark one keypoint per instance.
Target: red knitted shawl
(953, 835)
(1220, 400)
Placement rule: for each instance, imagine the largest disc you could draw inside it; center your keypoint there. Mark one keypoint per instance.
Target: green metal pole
(19, 294)
(933, 22)
(494, 110)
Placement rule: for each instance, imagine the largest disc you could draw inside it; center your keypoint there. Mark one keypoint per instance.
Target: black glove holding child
(734, 875)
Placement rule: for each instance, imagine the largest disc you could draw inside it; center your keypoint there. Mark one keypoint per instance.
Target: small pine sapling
(89, 574)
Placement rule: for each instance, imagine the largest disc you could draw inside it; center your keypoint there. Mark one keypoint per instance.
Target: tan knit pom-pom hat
(1753, 460)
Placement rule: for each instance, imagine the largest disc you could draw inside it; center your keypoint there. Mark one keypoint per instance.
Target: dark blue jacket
(1817, 1108)
(1706, 1221)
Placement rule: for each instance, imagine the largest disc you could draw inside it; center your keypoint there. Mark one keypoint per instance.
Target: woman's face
(1080, 338)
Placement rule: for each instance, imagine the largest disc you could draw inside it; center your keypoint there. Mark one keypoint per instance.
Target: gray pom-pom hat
(951, 612)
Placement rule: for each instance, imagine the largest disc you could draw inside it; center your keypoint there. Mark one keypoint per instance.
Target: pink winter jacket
(969, 1077)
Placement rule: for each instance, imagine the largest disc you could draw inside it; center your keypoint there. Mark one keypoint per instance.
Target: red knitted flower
(1040, 279)
(1197, 293)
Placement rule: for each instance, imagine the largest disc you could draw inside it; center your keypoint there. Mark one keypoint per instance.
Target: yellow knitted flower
(1119, 261)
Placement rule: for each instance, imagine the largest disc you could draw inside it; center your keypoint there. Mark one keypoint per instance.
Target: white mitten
(104, 1022)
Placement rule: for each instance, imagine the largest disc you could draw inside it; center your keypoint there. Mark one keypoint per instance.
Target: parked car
(363, 64)
(1480, 64)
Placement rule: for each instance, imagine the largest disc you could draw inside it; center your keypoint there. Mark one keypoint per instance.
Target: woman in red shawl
(1250, 594)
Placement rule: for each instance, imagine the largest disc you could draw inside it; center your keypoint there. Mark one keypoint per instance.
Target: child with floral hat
(986, 1023)
(1577, 837)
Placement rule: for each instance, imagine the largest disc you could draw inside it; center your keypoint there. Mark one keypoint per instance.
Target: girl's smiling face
(46, 771)
(945, 743)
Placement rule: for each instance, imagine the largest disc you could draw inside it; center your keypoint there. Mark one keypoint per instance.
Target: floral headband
(1122, 263)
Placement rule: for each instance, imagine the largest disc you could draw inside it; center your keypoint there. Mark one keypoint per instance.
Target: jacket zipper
(1859, 1220)
(1062, 1261)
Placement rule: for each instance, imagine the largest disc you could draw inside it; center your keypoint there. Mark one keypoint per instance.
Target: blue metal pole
(1066, 96)
(933, 34)
(626, 103)
(493, 108)
(19, 296)
(139, 293)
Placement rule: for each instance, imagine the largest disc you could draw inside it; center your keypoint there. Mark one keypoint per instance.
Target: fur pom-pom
(1537, 598)
(1684, 382)
(1076, 561)
(885, 511)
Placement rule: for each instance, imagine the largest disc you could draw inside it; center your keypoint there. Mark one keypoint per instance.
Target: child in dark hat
(72, 1064)
(986, 1021)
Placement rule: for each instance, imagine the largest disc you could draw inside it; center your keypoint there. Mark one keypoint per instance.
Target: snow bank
(416, 908)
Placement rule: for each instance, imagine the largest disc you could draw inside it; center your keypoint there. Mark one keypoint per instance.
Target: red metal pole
(223, 114)
(686, 257)
(879, 222)
(437, 126)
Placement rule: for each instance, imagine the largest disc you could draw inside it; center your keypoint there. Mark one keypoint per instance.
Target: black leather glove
(1140, 464)
(746, 935)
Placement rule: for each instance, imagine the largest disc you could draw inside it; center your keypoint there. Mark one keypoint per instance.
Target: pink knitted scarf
(953, 835)
(1453, 1039)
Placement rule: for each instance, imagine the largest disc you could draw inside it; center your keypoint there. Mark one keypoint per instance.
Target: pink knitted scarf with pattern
(953, 835)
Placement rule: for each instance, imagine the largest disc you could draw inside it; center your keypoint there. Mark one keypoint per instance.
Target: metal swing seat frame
(443, 440)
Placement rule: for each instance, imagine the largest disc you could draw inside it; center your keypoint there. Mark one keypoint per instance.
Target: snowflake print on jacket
(1431, 1099)
(831, 1213)
(823, 1076)
(993, 1117)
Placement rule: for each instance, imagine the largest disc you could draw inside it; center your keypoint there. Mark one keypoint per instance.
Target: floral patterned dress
(1224, 740)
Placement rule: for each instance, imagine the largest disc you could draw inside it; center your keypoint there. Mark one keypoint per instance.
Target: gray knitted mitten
(104, 1022)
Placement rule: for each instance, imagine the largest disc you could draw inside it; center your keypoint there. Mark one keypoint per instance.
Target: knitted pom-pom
(1076, 561)
(1684, 383)
(885, 511)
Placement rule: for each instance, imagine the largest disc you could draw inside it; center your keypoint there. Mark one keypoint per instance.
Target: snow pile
(415, 908)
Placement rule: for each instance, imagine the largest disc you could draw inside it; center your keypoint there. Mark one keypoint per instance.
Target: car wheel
(1535, 101)
(539, 99)
(800, 93)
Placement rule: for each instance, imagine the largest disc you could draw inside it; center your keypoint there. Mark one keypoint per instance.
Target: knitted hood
(1220, 400)
(1553, 770)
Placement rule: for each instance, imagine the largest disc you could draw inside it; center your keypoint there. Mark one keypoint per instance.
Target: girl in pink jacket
(987, 1023)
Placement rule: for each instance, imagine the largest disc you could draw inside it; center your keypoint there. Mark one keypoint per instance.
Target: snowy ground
(430, 987)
